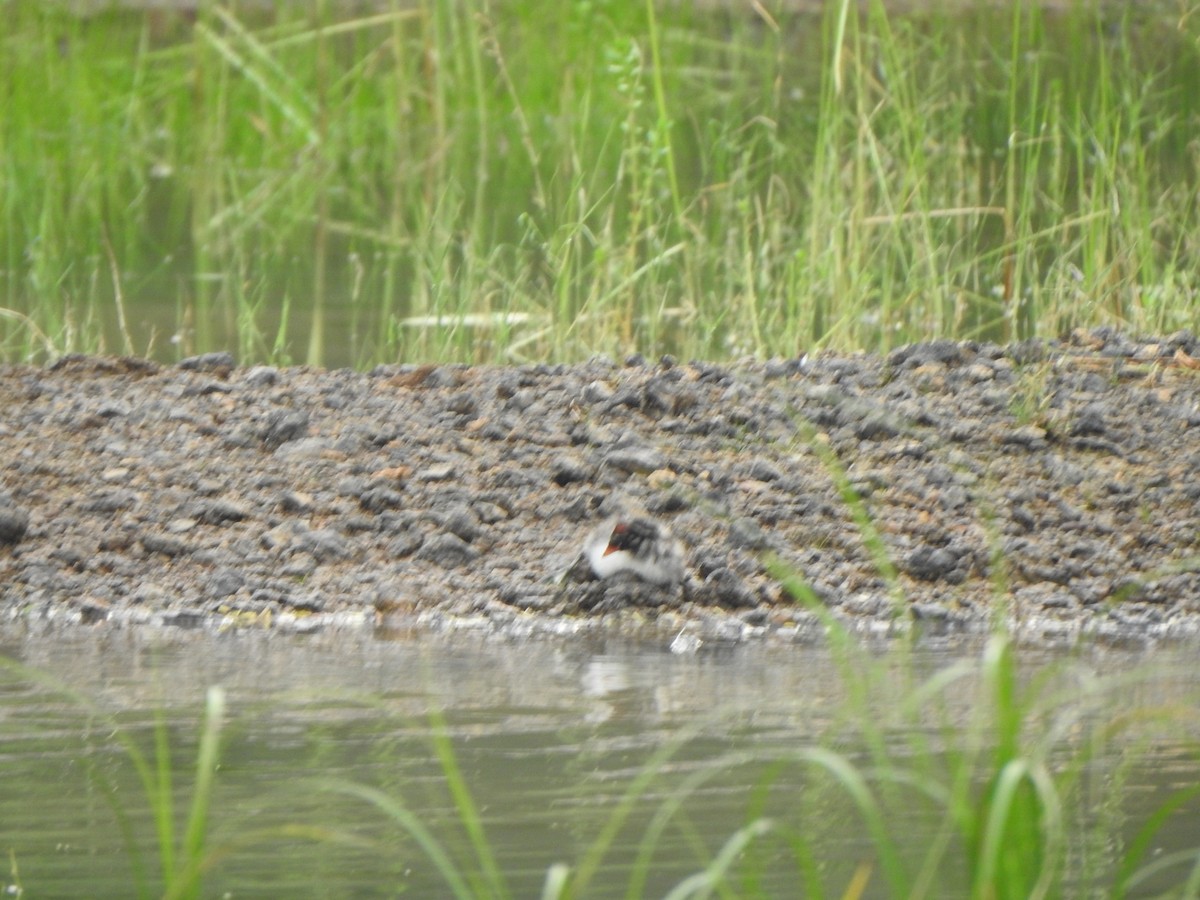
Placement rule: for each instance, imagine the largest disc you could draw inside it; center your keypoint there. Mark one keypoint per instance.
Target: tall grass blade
(411, 823)
(468, 812)
(702, 884)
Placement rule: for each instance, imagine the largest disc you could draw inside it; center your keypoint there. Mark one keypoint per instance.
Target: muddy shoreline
(1049, 485)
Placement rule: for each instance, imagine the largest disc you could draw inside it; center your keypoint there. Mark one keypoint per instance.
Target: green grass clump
(438, 180)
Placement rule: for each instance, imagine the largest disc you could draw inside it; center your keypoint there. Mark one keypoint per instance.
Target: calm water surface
(549, 735)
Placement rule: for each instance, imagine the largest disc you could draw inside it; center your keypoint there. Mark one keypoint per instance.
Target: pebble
(566, 470)
(208, 361)
(110, 501)
(637, 459)
(261, 376)
(14, 522)
(448, 551)
(930, 563)
(461, 521)
(597, 392)
(282, 426)
(224, 582)
(220, 511)
(171, 490)
(723, 588)
(377, 499)
(325, 544)
(159, 542)
(440, 472)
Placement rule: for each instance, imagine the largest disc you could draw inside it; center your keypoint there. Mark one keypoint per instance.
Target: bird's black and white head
(636, 545)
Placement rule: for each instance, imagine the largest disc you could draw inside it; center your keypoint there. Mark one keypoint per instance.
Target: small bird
(639, 546)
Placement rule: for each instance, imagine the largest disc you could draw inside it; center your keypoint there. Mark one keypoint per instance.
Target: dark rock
(635, 460)
(461, 521)
(161, 542)
(14, 522)
(876, 426)
(1090, 421)
(300, 566)
(723, 588)
(568, 470)
(71, 556)
(761, 470)
(629, 397)
(448, 551)
(781, 368)
(930, 563)
(218, 512)
(944, 352)
(377, 499)
(463, 405)
(597, 392)
(1029, 436)
(113, 409)
(670, 502)
(208, 362)
(295, 502)
(747, 534)
(1025, 353)
(623, 591)
(325, 544)
(110, 501)
(930, 612)
(756, 617)
(261, 376)
(187, 619)
(282, 426)
(443, 377)
(490, 513)
(534, 598)
(406, 543)
(521, 400)
(206, 386)
(1023, 518)
(225, 582)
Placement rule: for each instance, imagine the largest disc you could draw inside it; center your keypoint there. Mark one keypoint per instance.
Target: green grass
(465, 181)
(977, 779)
(1022, 792)
(183, 851)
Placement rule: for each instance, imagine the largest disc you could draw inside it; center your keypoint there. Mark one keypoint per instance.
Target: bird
(637, 545)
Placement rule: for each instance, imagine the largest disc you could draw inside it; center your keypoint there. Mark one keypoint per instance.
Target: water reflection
(549, 736)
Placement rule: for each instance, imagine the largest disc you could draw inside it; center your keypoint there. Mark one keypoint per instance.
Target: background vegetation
(477, 180)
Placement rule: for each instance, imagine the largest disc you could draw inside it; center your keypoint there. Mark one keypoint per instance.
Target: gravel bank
(1049, 484)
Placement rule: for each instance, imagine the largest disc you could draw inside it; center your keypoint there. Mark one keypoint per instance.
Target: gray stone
(14, 522)
(325, 544)
(161, 542)
(448, 551)
(225, 582)
(208, 361)
(282, 426)
(930, 563)
(637, 459)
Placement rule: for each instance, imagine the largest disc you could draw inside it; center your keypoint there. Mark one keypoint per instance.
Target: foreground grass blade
(409, 822)
(464, 803)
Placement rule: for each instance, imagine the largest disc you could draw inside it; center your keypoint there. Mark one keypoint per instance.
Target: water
(549, 736)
